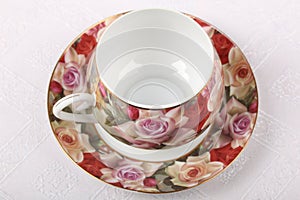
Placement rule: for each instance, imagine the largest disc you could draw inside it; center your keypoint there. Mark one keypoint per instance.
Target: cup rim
(213, 57)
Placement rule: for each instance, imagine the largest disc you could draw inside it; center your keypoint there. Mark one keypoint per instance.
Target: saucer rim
(141, 191)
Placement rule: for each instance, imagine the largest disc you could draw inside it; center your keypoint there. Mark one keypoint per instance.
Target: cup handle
(89, 99)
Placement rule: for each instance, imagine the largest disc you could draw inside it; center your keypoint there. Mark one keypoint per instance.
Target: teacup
(159, 82)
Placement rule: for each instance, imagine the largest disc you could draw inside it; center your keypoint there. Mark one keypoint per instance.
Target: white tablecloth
(34, 33)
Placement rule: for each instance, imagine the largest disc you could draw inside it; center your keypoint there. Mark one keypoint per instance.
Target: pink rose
(71, 77)
(129, 173)
(155, 128)
(152, 129)
(195, 170)
(69, 72)
(240, 125)
(231, 108)
(236, 124)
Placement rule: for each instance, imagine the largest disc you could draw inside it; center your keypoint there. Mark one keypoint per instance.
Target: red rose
(200, 22)
(253, 107)
(150, 182)
(86, 44)
(133, 112)
(225, 154)
(222, 45)
(55, 87)
(91, 163)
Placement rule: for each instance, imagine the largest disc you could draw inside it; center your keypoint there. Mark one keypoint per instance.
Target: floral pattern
(130, 174)
(232, 125)
(194, 170)
(153, 128)
(74, 143)
(161, 128)
(69, 74)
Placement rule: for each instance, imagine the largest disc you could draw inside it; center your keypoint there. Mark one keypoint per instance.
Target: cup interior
(153, 68)
(154, 58)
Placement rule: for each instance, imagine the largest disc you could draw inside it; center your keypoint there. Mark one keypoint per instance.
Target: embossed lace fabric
(33, 34)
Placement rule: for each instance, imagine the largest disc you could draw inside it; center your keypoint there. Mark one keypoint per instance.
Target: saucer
(231, 131)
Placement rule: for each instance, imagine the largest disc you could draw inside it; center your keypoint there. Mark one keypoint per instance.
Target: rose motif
(222, 45)
(94, 31)
(253, 106)
(69, 74)
(55, 87)
(71, 78)
(225, 154)
(72, 141)
(238, 74)
(240, 125)
(136, 175)
(153, 129)
(91, 163)
(237, 123)
(131, 174)
(195, 170)
(150, 182)
(86, 44)
(133, 112)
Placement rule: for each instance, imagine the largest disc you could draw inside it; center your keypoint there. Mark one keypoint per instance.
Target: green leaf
(248, 98)
(161, 173)
(110, 121)
(164, 184)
